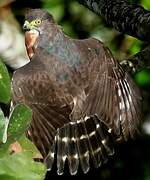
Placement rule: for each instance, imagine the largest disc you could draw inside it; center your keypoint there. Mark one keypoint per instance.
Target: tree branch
(138, 62)
(129, 18)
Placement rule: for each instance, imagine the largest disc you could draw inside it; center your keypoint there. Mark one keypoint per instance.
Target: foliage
(20, 166)
(4, 84)
(17, 165)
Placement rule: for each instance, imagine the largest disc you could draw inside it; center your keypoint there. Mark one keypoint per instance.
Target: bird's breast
(30, 39)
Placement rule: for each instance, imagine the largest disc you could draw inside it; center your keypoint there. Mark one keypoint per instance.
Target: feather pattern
(82, 99)
(115, 98)
(87, 138)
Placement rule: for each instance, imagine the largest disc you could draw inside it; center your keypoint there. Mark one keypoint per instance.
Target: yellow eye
(38, 21)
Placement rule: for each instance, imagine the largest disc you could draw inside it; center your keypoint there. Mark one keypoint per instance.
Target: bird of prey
(82, 100)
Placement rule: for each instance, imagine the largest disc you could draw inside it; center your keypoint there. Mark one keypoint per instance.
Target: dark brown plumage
(82, 99)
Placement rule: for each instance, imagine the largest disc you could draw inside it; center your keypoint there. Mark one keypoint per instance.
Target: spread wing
(110, 107)
(114, 98)
(106, 102)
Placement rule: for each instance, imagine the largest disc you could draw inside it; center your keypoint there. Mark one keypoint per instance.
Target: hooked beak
(26, 26)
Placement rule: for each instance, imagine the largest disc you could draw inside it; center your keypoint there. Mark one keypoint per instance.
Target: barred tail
(82, 141)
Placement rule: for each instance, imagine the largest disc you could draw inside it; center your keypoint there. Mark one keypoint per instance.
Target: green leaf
(28, 147)
(143, 78)
(18, 122)
(5, 87)
(3, 127)
(21, 167)
(146, 4)
(4, 149)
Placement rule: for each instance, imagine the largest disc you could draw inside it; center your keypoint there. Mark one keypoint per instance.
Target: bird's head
(36, 18)
(36, 21)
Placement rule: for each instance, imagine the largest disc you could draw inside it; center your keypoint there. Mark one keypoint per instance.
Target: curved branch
(138, 62)
(129, 18)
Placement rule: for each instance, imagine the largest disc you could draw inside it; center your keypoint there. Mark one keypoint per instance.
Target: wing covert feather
(114, 97)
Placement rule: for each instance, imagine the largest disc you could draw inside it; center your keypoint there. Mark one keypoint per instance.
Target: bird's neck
(50, 39)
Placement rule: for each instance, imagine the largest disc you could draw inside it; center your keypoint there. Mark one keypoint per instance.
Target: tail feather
(80, 141)
(82, 145)
(72, 155)
(50, 157)
(62, 139)
(93, 141)
(105, 136)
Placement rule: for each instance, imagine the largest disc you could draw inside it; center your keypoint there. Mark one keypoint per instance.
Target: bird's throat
(30, 40)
